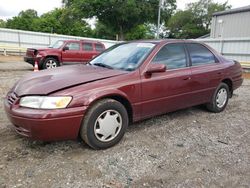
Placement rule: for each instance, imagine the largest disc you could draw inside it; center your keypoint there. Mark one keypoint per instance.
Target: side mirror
(65, 48)
(154, 68)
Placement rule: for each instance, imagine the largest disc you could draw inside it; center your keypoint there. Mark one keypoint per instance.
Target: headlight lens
(39, 55)
(43, 102)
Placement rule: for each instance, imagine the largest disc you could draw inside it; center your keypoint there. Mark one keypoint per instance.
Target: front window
(172, 55)
(73, 46)
(57, 44)
(125, 56)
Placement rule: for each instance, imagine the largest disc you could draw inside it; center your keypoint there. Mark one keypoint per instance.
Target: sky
(10, 8)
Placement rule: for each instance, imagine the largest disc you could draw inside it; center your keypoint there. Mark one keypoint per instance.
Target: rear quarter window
(99, 47)
(200, 55)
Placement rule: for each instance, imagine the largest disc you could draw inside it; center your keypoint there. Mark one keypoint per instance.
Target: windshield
(125, 56)
(57, 44)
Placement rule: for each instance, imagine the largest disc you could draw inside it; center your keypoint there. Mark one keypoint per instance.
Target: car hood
(33, 51)
(47, 49)
(49, 81)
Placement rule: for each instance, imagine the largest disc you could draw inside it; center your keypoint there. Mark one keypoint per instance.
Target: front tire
(220, 99)
(104, 124)
(50, 63)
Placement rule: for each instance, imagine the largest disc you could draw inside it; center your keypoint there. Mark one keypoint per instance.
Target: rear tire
(50, 63)
(220, 99)
(105, 124)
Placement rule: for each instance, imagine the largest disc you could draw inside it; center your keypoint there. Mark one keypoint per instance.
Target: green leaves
(2, 23)
(24, 21)
(121, 16)
(130, 19)
(59, 20)
(195, 21)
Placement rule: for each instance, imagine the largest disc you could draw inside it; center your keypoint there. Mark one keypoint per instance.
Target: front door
(170, 90)
(72, 54)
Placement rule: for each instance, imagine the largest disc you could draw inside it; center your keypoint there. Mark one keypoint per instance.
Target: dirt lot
(187, 148)
(4, 59)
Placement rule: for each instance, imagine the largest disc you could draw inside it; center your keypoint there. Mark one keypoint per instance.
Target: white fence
(232, 48)
(18, 40)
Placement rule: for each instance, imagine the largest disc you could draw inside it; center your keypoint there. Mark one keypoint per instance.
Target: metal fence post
(19, 42)
(49, 40)
(221, 46)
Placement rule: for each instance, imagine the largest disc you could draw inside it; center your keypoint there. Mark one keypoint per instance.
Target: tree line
(127, 20)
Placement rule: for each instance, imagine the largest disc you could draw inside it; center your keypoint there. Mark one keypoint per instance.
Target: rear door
(73, 54)
(206, 72)
(167, 91)
(88, 51)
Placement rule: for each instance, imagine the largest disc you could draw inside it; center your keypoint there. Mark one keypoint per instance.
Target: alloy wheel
(50, 64)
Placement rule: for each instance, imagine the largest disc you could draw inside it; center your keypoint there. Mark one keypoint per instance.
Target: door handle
(187, 78)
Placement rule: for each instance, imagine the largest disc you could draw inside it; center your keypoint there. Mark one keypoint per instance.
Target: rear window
(87, 47)
(99, 47)
(200, 55)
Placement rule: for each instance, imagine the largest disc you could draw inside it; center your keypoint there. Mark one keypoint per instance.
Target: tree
(121, 16)
(185, 25)
(60, 21)
(204, 10)
(24, 20)
(142, 31)
(104, 32)
(2, 23)
(49, 22)
(195, 21)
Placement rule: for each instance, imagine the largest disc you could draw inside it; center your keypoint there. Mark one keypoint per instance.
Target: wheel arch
(118, 97)
(229, 82)
(53, 56)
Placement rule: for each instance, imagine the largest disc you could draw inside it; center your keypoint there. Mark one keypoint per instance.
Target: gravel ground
(187, 148)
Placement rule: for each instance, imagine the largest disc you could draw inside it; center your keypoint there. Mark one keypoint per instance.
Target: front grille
(12, 98)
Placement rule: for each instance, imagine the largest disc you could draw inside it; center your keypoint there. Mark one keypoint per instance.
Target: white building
(234, 23)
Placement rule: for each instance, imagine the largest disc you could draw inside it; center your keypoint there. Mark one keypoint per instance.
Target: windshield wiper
(103, 65)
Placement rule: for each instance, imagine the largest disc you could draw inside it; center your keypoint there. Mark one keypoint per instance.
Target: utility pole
(159, 19)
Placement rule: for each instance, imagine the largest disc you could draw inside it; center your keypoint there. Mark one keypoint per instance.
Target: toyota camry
(126, 83)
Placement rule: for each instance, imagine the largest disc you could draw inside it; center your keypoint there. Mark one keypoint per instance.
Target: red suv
(64, 52)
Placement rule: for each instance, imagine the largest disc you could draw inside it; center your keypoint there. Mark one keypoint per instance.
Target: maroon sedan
(128, 82)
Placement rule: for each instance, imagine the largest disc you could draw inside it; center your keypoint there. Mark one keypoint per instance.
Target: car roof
(158, 41)
(91, 41)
